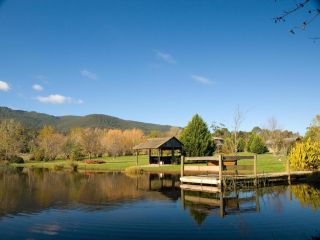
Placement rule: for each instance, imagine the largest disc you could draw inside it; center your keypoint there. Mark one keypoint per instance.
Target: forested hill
(64, 123)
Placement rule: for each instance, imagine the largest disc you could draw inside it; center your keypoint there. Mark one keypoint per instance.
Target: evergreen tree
(196, 138)
(257, 145)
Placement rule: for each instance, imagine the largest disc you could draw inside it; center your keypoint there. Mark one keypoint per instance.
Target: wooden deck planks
(212, 179)
(199, 188)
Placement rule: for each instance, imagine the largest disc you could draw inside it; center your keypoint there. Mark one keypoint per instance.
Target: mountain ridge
(32, 119)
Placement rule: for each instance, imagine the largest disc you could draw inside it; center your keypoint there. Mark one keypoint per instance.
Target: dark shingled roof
(154, 143)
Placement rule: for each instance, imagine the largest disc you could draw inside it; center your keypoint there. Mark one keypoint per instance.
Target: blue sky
(159, 61)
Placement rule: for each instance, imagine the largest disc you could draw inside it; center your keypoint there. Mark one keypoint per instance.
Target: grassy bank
(266, 163)
(110, 164)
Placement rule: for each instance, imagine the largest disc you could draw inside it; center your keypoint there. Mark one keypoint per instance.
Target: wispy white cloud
(58, 99)
(4, 86)
(88, 74)
(37, 87)
(165, 57)
(202, 79)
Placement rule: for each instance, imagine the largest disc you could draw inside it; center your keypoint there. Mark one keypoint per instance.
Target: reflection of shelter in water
(166, 184)
(208, 202)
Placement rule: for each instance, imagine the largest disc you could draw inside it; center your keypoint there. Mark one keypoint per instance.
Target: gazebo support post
(172, 155)
(149, 155)
(137, 160)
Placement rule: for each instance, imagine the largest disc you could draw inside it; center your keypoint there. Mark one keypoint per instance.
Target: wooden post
(220, 169)
(137, 183)
(182, 166)
(159, 156)
(172, 154)
(257, 201)
(182, 198)
(137, 160)
(161, 182)
(149, 155)
(222, 213)
(255, 169)
(288, 171)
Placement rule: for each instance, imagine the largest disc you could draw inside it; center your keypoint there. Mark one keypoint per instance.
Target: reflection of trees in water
(35, 190)
(273, 195)
(307, 195)
(198, 216)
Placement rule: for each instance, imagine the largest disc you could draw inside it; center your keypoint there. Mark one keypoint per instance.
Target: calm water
(38, 204)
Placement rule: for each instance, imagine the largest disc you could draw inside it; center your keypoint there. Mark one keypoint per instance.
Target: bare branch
(313, 12)
(285, 14)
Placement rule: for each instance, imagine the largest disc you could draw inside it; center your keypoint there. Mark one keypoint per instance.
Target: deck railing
(217, 164)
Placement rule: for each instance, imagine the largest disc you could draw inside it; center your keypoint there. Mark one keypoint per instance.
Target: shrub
(58, 167)
(241, 145)
(257, 145)
(228, 145)
(16, 159)
(74, 167)
(134, 170)
(305, 155)
(38, 155)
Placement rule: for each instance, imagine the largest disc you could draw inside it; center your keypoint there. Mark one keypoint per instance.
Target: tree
(174, 132)
(237, 121)
(305, 155)
(49, 144)
(155, 134)
(131, 138)
(91, 141)
(113, 142)
(11, 138)
(275, 139)
(72, 147)
(313, 131)
(257, 130)
(219, 130)
(256, 145)
(241, 145)
(196, 138)
(228, 146)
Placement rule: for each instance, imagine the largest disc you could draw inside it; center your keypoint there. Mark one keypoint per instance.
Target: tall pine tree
(196, 138)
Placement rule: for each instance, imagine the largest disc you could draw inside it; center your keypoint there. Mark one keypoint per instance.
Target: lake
(43, 204)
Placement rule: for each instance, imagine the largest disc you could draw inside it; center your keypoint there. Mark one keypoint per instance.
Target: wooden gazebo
(156, 148)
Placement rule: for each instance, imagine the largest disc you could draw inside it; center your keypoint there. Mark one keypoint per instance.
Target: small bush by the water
(74, 167)
(16, 159)
(93, 161)
(134, 170)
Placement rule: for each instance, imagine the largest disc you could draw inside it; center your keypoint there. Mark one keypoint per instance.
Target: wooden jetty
(223, 171)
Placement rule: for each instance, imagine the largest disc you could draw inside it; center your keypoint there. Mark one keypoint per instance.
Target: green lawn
(111, 164)
(265, 163)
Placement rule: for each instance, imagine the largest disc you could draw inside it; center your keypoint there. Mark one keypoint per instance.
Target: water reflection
(32, 190)
(53, 201)
(202, 203)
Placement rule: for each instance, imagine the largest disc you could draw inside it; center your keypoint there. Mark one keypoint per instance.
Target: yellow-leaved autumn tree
(49, 144)
(305, 155)
(118, 142)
